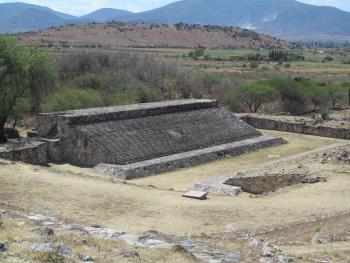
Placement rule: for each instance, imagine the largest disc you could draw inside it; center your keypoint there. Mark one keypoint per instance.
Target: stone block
(200, 195)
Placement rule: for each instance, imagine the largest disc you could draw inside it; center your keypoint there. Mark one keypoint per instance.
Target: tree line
(288, 95)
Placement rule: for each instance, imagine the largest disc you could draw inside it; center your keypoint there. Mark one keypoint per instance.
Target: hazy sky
(80, 7)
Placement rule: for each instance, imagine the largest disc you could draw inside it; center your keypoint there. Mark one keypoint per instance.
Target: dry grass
(133, 208)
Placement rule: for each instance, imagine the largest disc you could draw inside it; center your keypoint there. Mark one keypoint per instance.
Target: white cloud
(342, 4)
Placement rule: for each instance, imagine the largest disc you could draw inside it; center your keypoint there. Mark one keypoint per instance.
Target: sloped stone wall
(140, 139)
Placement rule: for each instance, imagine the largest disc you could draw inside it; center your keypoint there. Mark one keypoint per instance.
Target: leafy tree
(197, 53)
(293, 94)
(336, 93)
(317, 94)
(22, 75)
(255, 95)
(42, 78)
(23, 105)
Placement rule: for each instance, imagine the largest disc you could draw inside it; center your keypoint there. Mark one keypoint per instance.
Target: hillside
(147, 35)
(287, 19)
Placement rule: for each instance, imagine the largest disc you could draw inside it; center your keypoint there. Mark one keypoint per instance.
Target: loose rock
(3, 247)
(86, 258)
(127, 254)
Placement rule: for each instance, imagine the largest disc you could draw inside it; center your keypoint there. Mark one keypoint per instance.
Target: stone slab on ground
(187, 159)
(200, 195)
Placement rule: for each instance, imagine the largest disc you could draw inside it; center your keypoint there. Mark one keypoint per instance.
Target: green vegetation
(38, 82)
(25, 75)
(290, 95)
(197, 53)
(72, 99)
(281, 55)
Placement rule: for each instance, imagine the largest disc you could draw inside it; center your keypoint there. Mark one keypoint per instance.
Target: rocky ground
(37, 238)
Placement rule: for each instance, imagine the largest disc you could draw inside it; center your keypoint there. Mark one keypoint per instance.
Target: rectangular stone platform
(27, 151)
(187, 159)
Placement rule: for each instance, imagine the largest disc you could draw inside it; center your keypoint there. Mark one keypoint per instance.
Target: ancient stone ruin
(144, 139)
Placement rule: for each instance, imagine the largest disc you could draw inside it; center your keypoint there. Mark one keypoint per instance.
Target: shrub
(69, 99)
(324, 111)
(90, 81)
(254, 64)
(123, 97)
(293, 95)
(317, 95)
(255, 95)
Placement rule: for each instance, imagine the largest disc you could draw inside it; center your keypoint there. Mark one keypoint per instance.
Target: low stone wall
(31, 152)
(187, 159)
(261, 122)
(265, 183)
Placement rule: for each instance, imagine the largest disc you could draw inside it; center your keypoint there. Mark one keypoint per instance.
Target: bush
(317, 95)
(253, 96)
(293, 95)
(324, 111)
(254, 64)
(147, 94)
(90, 81)
(123, 97)
(69, 99)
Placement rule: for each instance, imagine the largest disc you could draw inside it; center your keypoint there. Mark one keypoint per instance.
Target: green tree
(255, 95)
(318, 95)
(42, 78)
(197, 53)
(293, 94)
(336, 93)
(22, 74)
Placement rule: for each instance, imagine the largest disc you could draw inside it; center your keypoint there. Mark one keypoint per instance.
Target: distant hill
(32, 19)
(287, 19)
(11, 10)
(149, 35)
(106, 14)
(22, 17)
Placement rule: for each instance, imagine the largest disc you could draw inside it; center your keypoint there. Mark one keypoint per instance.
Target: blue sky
(80, 7)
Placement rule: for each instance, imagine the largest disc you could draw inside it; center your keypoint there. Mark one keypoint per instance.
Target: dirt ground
(83, 196)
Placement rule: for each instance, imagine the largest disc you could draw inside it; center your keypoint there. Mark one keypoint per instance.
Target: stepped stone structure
(144, 139)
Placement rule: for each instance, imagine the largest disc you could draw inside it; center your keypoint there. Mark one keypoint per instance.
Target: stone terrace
(153, 133)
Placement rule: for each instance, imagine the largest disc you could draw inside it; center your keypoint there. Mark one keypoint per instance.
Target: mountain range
(287, 19)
